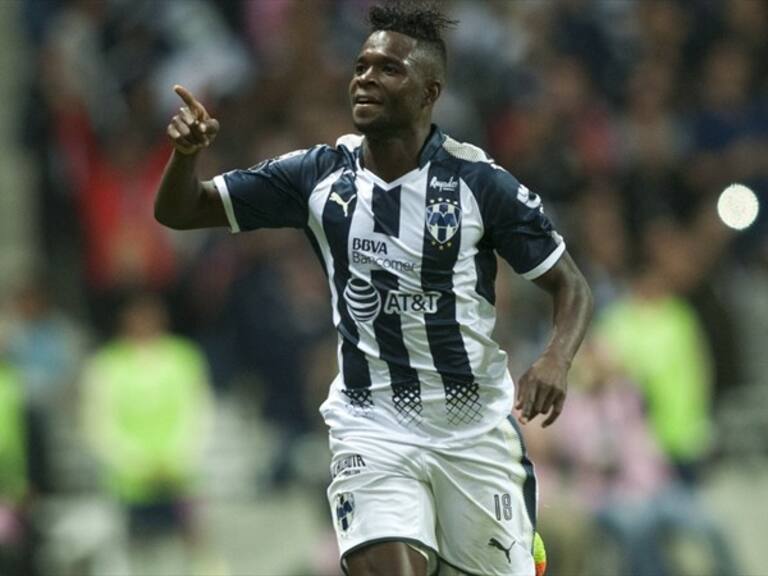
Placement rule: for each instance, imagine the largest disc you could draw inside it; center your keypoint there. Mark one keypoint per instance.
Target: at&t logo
(363, 300)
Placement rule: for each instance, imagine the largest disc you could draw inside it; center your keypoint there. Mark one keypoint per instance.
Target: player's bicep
(203, 210)
(211, 212)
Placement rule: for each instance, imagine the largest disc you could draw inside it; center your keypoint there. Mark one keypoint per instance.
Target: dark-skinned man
(429, 470)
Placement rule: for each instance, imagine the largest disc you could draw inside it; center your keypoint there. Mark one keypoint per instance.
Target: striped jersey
(411, 266)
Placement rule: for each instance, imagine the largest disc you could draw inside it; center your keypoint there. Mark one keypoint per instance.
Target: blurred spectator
(748, 21)
(146, 410)
(259, 320)
(46, 346)
(578, 32)
(654, 142)
(730, 121)
(653, 134)
(605, 469)
(102, 145)
(730, 129)
(664, 31)
(14, 533)
(658, 338)
(561, 137)
(606, 263)
(113, 186)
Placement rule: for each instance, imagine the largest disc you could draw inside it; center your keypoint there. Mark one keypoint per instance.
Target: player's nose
(367, 76)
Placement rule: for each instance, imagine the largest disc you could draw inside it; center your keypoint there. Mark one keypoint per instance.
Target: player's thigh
(385, 559)
(485, 497)
(378, 496)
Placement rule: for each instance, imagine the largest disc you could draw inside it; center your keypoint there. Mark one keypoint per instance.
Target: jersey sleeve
(274, 193)
(518, 228)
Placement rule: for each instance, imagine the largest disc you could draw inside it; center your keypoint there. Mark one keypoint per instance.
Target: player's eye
(360, 69)
(389, 69)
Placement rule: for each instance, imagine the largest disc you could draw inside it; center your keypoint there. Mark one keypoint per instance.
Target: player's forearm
(573, 305)
(180, 193)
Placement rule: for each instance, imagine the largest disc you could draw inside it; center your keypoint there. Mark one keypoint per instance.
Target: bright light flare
(738, 207)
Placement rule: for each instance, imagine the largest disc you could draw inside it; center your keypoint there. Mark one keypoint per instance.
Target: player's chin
(366, 121)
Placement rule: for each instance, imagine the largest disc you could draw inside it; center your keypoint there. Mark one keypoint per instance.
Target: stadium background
(628, 118)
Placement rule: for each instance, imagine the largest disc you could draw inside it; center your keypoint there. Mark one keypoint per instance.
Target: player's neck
(391, 156)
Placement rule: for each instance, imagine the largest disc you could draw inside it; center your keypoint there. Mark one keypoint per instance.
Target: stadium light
(738, 206)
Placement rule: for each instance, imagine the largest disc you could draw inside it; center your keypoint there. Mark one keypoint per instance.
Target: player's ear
(432, 92)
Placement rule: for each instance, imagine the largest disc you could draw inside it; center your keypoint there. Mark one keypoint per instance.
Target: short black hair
(421, 20)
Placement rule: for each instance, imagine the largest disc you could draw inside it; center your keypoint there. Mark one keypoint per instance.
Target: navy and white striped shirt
(411, 266)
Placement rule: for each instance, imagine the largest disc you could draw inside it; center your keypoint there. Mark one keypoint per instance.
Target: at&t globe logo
(363, 300)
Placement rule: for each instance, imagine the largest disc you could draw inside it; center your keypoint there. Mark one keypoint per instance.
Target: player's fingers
(520, 391)
(528, 404)
(187, 115)
(186, 96)
(544, 398)
(196, 107)
(187, 139)
(178, 141)
(551, 401)
(210, 126)
(181, 126)
(557, 408)
(196, 127)
(172, 132)
(551, 418)
(181, 140)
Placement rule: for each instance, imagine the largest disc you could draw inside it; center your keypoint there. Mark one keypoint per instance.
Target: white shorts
(471, 507)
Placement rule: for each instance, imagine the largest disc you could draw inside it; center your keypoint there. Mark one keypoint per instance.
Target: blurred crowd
(629, 118)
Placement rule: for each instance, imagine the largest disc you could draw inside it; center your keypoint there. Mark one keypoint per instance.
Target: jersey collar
(432, 144)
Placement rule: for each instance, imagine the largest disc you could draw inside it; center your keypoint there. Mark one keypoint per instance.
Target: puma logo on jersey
(496, 544)
(340, 201)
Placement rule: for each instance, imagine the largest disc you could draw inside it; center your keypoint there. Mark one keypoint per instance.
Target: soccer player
(428, 467)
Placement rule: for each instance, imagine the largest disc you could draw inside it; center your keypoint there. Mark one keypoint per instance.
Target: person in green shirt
(658, 338)
(13, 472)
(146, 407)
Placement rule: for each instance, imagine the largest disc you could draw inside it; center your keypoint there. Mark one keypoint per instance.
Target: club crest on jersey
(443, 220)
(345, 510)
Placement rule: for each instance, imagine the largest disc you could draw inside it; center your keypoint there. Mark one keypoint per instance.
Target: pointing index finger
(195, 106)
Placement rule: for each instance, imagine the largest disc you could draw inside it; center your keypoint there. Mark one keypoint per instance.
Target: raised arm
(542, 388)
(184, 202)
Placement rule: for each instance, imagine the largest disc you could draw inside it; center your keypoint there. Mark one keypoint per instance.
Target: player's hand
(542, 389)
(192, 128)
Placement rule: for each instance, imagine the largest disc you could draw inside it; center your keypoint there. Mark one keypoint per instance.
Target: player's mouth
(366, 101)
